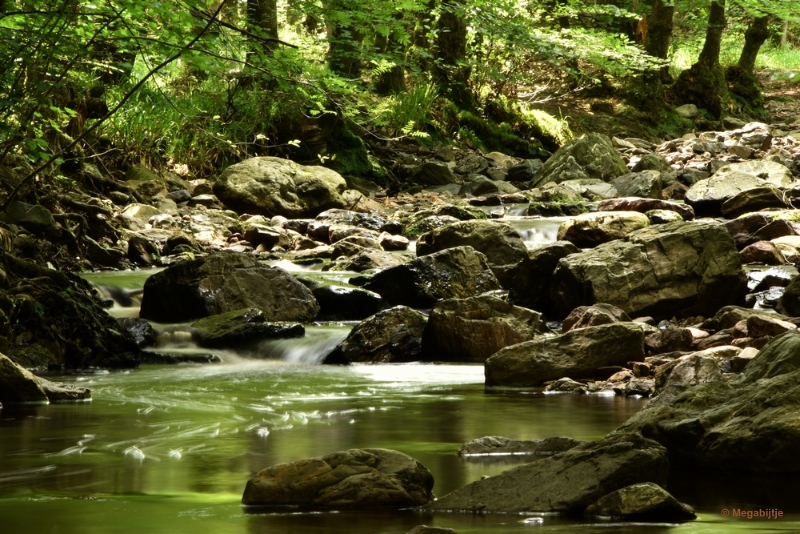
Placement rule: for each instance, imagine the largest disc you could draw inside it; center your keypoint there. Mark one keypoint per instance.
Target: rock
(687, 111)
(643, 205)
(592, 229)
(339, 303)
(18, 384)
(370, 259)
(223, 282)
(642, 502)
(142, 251)
(268, 236)
(646, 184)
(137, 216)
(477, 185)
(472, 329)
(755, 199)
(425, 529)
(426, 224)
(274, 186)
(707, 196)
(57, 392)
(592, 188)
(140, 329)
(663, 270)
(790, 302)
(104, 255)
(576, 354)
(763, 252)
(393, 335)
(744, 228)
(356, 478)
(590, 156)
(353, 245)
(434, 173)
(764, 325)
(500, 243)
(567, 482)
(497, 445)
(530, 286)
(393, 242)
(652, 162)
(241, 329)
(458, 272)
(596, 315)
(662, 216)
(524, 171)
(33, 217)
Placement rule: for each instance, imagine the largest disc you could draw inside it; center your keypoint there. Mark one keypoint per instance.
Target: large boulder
(18, 384)
(646, 184)
(565, 483)
(592, 229)
(345, 303)
(274, 186)
(708, 195)
(576, 354)
(472, 329)
(748, 425)
(500, 243)
(356, 478)
(591, 156)
(530, 286)
(642, 502)
(393, 335)
(223, 282)
(663, 270)
(240, 329)
(457, 272)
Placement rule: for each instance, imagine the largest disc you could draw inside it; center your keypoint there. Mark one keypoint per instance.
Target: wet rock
(240, 329)
(567, 482)
(763, 252)
(647, 502)
(161, 358)
(57, 392)
(489, 445)
(530, 286)
(643, 205)
(393, 335)
(472, 329)
(595, 315)
(499, 242)
(140, 329)
(457, 272)
(592, 229)
(223, 282)
(577, 354)
(339, 303)
(591, 156)
(274, 186)
(425, 529)
(18, 384)
(646, 184)
(356, 478)
(690, 267)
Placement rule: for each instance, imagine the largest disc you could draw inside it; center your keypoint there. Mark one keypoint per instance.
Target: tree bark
(394, 80)
(262, 18)
(785, 34)
(451, 50)
(659, 29)
(344, 41)
(754, 37)
(716, 24)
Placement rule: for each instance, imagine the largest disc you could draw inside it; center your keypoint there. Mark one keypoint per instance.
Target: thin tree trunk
(716, 24)
(262, 18)
(451, 50)
(754, 37)
(659, 29)
(785, 35)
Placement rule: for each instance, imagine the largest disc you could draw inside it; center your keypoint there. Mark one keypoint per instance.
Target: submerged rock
(489, 445)
(576, 354)
(356, 478)
(642, 502)
(393, 335)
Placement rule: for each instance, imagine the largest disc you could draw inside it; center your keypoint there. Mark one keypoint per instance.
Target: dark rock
(268, 236)
(744, 228)
(457, 272)
(140, 329)
(576, 354)
(489, 445)
(653, 161)
(524, 171)
(104, 255)
(530, 286)
(434, 173)
(179, 195)
(240, 329)
(393, 335)
(356, 478)
(790, 301)
(33, 217)
(472, 329)
(755, 199)
(645, 184)
(346, 303)
(161, 358)
(224, 282)
(425, 529)
(143, 252)
(642, 502)
(595, 315)
(567, 482)
(691, 268)
(499, 242)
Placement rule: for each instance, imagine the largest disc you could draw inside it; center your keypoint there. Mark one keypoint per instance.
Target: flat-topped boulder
(241, 329)
(708, 195)
(355, 478)
(224, 282)
(664, 270)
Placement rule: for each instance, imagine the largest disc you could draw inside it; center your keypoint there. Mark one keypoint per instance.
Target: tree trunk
(785, 35)
(754, 37)
(659, 30)
(262, 20)
(394, 80)
(451, 50)
(344, 41)
(716, 24)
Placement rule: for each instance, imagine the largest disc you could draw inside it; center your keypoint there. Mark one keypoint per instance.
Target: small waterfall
(536, 232)
(318, 342)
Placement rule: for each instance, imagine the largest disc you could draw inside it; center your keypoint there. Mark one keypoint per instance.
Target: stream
(169, 448)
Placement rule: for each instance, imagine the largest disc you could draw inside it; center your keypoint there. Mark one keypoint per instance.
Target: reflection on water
(168, 449)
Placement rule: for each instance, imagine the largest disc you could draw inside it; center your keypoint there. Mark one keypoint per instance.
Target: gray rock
(591, 156)
(497, 445)
(274, 186)
(472, 329)
(594, 228)
(140, 329)
(690, 267)
(356, 478)
(687, 111)
(663, 216)
(652, 162)
(707, 196)
(576, 354)
(457, 272)
(524, 171)
(18, 384)
(755, 199)
(595, 315)
(434, 173)
(567, 482)
(223, 282)
(33, 217)
(57, 392)
(481, 185)
(644, 205)
(642, 502)
(241, 329)
(393, 335)
(646, 184)
(500, 243)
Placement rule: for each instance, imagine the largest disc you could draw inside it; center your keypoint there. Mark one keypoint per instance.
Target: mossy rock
(557, 209)
(703, 86)
(242, 328)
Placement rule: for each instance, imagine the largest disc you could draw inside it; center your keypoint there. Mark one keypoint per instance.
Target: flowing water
(168, 449)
